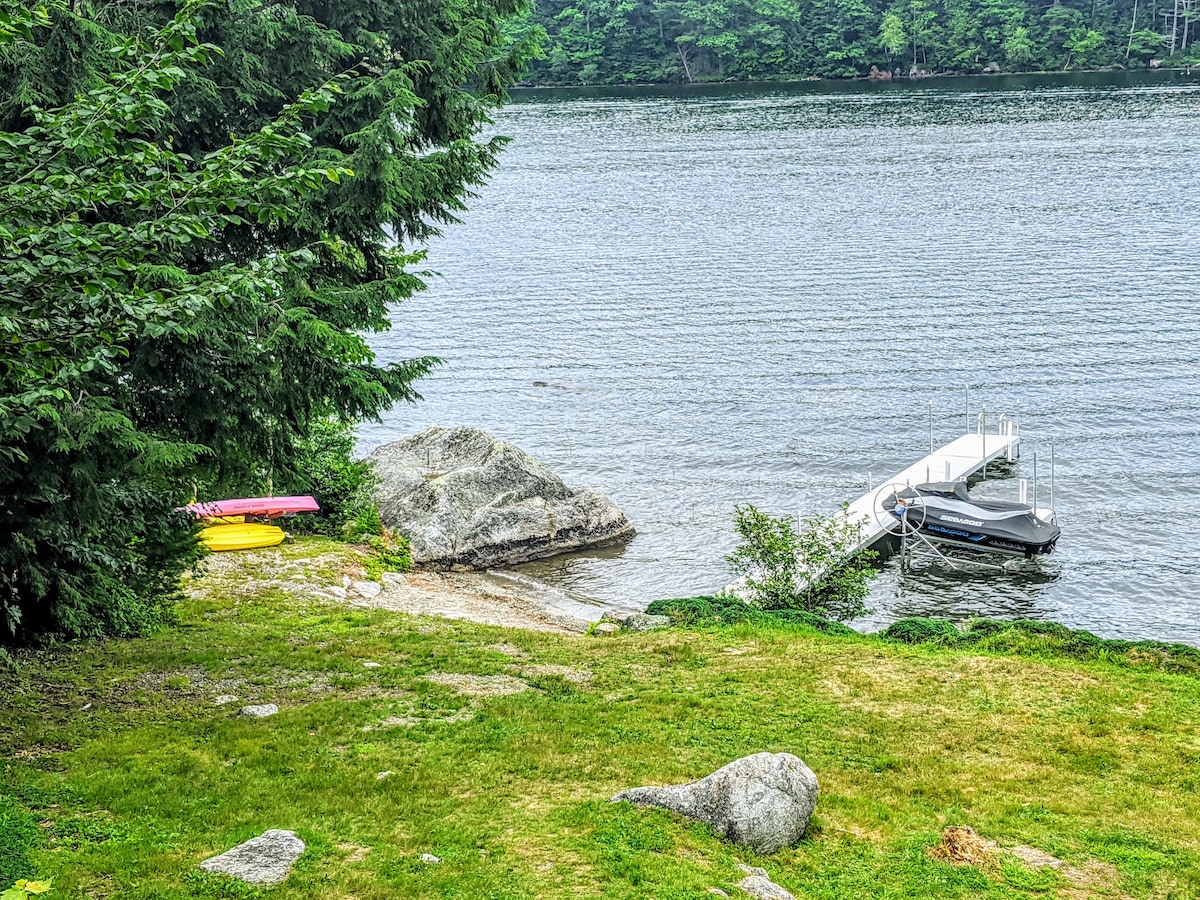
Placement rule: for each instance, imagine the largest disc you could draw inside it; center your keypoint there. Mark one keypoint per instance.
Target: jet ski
(945, 513)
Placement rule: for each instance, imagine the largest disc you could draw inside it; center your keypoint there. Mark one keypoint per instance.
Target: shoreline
(867, 79)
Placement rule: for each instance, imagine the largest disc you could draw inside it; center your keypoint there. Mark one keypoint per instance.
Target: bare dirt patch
(961, 846)
(479, 685)
(566, 673)
(1085, 881)
(510, 650)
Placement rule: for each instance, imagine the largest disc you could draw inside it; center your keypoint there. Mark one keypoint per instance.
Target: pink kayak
(271, 507)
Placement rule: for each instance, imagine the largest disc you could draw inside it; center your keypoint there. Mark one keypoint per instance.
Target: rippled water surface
(693, 299)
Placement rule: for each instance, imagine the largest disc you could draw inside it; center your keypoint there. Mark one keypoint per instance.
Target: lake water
(753, 295)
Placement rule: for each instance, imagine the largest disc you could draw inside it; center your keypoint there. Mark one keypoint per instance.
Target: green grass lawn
(120, 773)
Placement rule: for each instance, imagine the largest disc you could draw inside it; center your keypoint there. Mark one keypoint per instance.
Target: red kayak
(270, 507)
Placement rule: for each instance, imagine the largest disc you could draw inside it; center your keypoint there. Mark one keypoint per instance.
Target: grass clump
(702, 612)
(19, 833)
(388, 553)
(918, 630)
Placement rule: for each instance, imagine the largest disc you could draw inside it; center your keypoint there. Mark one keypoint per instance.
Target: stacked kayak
(245, 536)
(231, 526)
(268, 507)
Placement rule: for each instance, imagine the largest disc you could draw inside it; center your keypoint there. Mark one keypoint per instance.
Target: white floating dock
(955, 461)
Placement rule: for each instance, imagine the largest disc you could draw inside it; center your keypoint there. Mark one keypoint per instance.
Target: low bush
(389, 553)
(342, 485)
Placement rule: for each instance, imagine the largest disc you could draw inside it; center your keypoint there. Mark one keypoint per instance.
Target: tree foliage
(611, 42)
(812, 568)
(195, 247)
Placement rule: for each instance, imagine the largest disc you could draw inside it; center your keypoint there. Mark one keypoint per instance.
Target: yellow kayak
(240, 537)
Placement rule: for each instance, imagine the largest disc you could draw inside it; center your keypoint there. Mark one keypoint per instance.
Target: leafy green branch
(815, 567)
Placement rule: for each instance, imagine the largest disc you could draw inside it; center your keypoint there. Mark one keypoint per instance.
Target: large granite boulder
(465, 499)
(763, 801)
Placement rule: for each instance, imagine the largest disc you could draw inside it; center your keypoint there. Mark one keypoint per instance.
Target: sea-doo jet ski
(945, 513)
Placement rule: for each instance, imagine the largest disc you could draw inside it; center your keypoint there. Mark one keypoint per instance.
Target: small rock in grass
(644, 622)
(259, 712)
(379, 776)
(337, 591)
(430, 858)
(753, 870)
(346, 581)
(85, 707)
(761, 888)
(226, 698)
(367, 588)
(266, 859)
(617, 618)
(372, 665)
(717, 892)
(606, 628)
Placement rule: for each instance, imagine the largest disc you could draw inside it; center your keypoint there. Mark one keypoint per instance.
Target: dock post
(1023, 491)
(1035, 479)
(967, 406)
(983, 432)
(947, 478)
(1052, 475)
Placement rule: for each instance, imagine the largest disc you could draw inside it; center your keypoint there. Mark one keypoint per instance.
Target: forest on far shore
(681, 41)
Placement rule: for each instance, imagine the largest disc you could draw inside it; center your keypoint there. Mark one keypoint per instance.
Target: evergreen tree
(181, 306)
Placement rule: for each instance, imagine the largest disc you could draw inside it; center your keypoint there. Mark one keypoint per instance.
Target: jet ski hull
(945, 513)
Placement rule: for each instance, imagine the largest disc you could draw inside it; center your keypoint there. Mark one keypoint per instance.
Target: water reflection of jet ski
(945, 513)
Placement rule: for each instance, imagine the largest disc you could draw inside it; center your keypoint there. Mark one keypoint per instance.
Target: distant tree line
(680, 41)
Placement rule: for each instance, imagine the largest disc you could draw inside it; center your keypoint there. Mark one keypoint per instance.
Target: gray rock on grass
(762, 888)
(635, 621)
(260, 711)
(465, 499)
(645, 622)
(266, 859)
(763, 801)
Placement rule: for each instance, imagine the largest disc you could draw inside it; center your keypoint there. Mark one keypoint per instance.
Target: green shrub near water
(918, 630)
(812, 568)
(342, 485)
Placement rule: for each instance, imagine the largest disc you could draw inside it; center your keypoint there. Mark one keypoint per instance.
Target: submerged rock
(266, 859)
(465, 499)
(763, 801)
